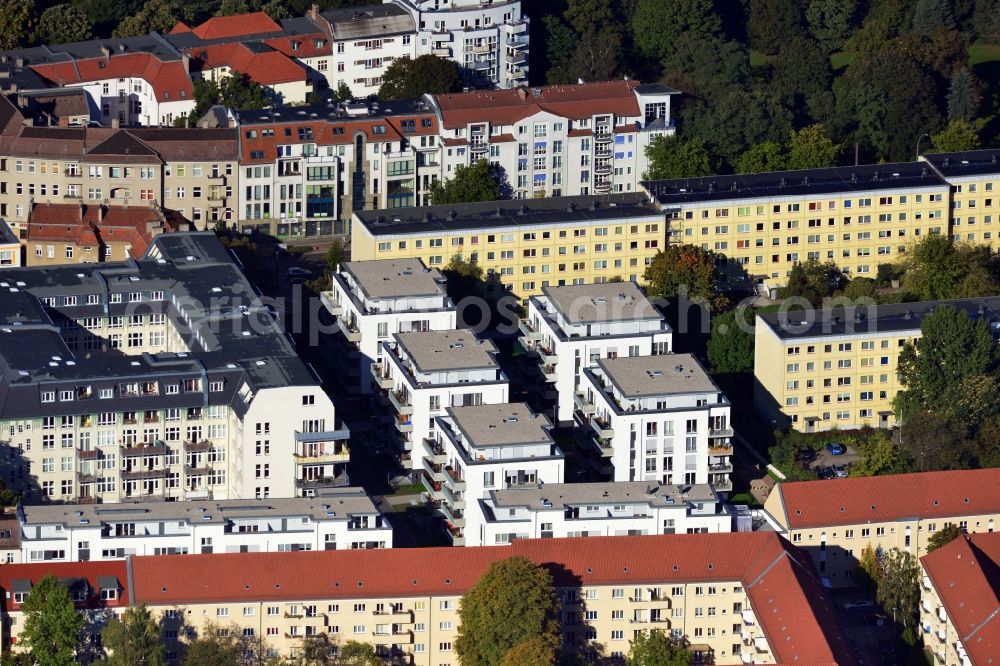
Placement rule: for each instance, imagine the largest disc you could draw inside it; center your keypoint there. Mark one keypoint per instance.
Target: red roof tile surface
(506, 107)
(875, 499)
(237, 25)
(266, 68)
(966, 575)
(169, 80)
(323, 134)
(67, 570)
(91, 225)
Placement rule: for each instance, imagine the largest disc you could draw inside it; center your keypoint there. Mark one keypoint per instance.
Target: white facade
(484, 448)
(658, 419)
(557, 510)
(81, 532)
(374, 300)
(131, 101)
(572, 327)
(423, 374)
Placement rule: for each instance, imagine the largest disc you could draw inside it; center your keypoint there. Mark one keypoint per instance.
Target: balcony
(401, 403)
(395, 615)
(457, 536)
(726, 450)
(332, 307)
(442, 52)
(721, 468)
(603, 151)
(348, 330)
(83, 478)
(603, 135)
(432, 487)
(454, 516)
(582, 404)
(528, 332)
(520, 42)
(382, 377)
(142, 474)
(434, 451)
(143, 450)
(320, 482)
(317, 456)
(720, 432)
(434, 470)
(480, 49)
(602, 186)
(723, 486)
(549, 373)
(396, 637)
(195, 447)
(89, 454)
(548, 355)
(602, 428)
(478, 148)
(603, 169)
(453, 480)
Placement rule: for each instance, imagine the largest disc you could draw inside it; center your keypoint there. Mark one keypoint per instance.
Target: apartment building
(562, 140)
(424, 373)
(974, 176)
(640, 409)
(959, 604)
(761, 603)
(837, 368)
(857, 217)
(371, 301)
(571, 327)
(305, 170)
(527, 244)
(82, 532)
(164, 378)
(480, 448)
(835, 520)
(10, 247)
(557, 510)
(82, 234)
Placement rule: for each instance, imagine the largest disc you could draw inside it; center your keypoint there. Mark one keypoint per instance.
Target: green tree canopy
(762, 157)
(353, 653)
(153, 16)
(731, 342)
(963, 97)
(480, 181)
(861, 287)
(63, 23)
(514, 601)
(811, 148)
(532, 652)
(238, 91)
(813, 281)
(832, 21)
(938, 268)
(657, 648)
(335, 255)
(16, 23)
(869, 571)
(133, 640)
(929, 15)
(899, 589)
(685, 270)
(772, 23)
(233, 7)
(944, 536)
(51, 624)
(407, 78)
(674, 157)
(879, 455)
(958, 136)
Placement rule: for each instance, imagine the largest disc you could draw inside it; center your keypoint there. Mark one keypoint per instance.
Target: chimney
(522, 93)
(82, 207)
(106, 52)
(100, 213)
(114, 123)
(313, 12)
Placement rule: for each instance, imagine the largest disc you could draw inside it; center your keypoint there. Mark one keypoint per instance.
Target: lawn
(980, 53)
(840, 60)
(758, 59)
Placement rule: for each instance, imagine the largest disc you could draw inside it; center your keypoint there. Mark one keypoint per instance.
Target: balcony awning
(342, 433)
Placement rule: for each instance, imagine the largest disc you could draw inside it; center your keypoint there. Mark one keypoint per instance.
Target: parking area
(827, 464)
(873, 634)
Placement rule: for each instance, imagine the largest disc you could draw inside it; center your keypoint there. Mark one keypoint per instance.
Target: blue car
(836, 449)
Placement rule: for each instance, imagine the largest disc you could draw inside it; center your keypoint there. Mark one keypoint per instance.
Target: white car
(296, 271)
(859, 604)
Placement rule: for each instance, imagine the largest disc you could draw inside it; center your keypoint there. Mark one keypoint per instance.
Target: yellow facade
(975, 210)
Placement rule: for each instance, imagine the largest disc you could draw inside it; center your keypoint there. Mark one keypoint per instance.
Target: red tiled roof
(67, 570)
(875, 499)
(966, 575)
(238, 25)
(324, 134)
(506, 107)
(797, 618)
(169, 79)
(266, 68)
(179, 27)
(307, 45)
(85, 225)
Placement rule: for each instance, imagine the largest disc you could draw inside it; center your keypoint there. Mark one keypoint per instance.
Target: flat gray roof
(337, 506)
(434, 351)
(604, 302)
(666, 374)
(498, 425)
(395, 278)
(563, 495)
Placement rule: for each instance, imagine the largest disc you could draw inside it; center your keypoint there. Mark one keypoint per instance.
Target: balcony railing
(602, 428)
(349, 331)
(401, 402)
(382, 377)
(585, 406)
(528, 332)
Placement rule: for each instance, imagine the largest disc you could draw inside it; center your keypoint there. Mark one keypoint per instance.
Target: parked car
(296, 271)
(876, 620)
(825, 473)
(840, 471)
(859, 604)
(836, 449)
(806, 454)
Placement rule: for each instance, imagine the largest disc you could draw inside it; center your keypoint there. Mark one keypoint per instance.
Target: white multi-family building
(482, 448)
(658, 419)
(555, 510)
(373, 300)
(81, 532)
(561, 140)
(573, 326)
(423, 374)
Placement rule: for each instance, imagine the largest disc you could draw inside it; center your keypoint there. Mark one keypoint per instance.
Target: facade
(481, 448)
(557, 510)
(974, 176)
(762, 603)
(11, 255)
(424, 373)
(160, 379)
(572, 327)
(837, 368)
(82, 532)
(835, 520)
(639, 408)
(527, 244)
(563, 140)
(959, 603)
(371, 301)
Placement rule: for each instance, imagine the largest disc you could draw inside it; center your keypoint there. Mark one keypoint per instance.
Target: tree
(831, 21)
(813, 281)
(929, 15)
(772, 23)
(63, 23)
(154, 16)
(761, 157)
(353, 653)
(133, 640)
(811, 148)
(599, 35)
(944, 536)
(935, 367)
(16, 23)
(879, 455)
(685, 270)
(513, 601)
(225, 646)
(674, 157)
(239, 91)
(731, 342)
(481, 181)
(957, 137)
(532, 652)
(869, 572)
(407, 78)
(938, 268)
(51, 624)
(276, 9)
(932, 441)
(335, 255)
(656, 26)
(657, 649)
(342, 93)
(459, 267)
(899, 590)
(963, 99)
(860, 287)
(233, 7)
